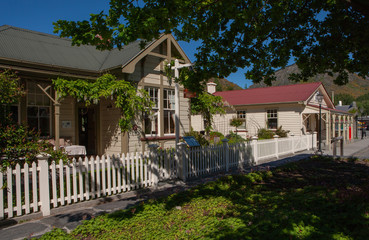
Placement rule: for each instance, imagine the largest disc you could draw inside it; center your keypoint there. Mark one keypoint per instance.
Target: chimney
(211, 87)
(339, 103)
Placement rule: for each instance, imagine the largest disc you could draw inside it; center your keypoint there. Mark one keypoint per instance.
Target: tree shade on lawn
(318, 198)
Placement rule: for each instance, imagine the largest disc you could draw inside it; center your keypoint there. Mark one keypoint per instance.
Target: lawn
(317, 198)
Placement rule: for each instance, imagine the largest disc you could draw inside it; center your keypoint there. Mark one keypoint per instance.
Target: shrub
(234, 138)
(264, 133)
(213, 135)
(282, 133)
(17, 141)
(199, 137)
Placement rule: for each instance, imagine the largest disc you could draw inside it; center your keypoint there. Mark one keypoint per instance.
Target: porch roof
(266, 95)
(331, 109)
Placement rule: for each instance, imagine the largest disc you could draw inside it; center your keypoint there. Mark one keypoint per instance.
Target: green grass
(319, 198)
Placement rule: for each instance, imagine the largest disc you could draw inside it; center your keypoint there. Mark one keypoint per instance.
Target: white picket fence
(206, 160)
(43, 186)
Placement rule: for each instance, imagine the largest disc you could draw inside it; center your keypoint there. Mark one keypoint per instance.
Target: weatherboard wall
(289, 117)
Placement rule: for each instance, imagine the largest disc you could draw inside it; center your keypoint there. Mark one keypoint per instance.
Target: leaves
(127, 98)
(207, 105)
(17, 141)
(262, 36)
(10, 88)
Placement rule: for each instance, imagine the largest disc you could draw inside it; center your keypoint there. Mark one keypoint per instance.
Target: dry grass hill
(224, 85)
(357, 86)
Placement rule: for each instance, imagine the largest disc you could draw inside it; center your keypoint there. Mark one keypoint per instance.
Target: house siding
(147, 73)
(68, 113)
(111, 137)
(289, 117)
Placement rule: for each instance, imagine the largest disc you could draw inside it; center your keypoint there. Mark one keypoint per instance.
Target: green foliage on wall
(127, 98)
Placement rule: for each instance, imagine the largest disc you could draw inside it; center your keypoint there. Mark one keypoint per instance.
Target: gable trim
(130, 66)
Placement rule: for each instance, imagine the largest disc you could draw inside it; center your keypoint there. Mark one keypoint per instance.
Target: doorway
(87, 118)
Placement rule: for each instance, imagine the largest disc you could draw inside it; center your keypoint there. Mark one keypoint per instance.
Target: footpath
(69, 217)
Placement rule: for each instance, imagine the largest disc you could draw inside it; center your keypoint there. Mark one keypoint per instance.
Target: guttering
(330, 109)
(255, 104)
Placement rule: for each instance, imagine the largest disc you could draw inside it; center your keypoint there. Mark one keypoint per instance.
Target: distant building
(294, 107)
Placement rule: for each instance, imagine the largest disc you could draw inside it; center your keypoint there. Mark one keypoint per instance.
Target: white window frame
(169, 110)
(242, 115)
(272, 114)
(154, 94)
(45, 103)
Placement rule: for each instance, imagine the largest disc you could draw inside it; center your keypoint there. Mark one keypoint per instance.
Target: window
(242, 115)
(151, 119)
(272, 120)
(169, 110)
(38, 109)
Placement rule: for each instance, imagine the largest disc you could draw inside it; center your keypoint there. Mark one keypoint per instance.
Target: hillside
(224, 85)
(357, 86)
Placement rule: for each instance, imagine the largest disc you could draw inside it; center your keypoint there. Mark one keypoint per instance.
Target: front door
(87, 129)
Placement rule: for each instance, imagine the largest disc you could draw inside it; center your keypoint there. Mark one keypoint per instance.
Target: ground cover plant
(317, 198)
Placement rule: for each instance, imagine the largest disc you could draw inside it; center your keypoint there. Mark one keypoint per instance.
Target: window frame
(169, 111)
(36, 95)
(154, 116)
(242, 114)
(274, 112)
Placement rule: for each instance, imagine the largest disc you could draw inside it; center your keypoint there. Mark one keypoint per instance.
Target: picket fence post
(154, 163)
(276, 145)
(226, 152)
(293, 143)
(181, 160)
(255, 148)
(315, 140)
(43, 164)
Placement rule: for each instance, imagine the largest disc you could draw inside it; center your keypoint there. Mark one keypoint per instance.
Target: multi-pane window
(242, 115)
(272, 118)
(169, 110)
(38, 108)
(151, 119)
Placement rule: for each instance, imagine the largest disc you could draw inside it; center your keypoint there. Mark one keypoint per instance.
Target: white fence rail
(206, 160)
(43, 186)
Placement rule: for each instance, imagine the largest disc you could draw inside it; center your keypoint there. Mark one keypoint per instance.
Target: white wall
(289, 117)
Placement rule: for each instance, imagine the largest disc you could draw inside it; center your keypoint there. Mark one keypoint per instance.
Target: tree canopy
(321, 36)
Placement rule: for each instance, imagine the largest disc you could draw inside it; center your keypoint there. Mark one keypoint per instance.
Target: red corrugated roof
(277, 94)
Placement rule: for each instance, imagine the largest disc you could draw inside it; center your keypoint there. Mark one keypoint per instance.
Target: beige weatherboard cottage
(294, 107)
(38, 58)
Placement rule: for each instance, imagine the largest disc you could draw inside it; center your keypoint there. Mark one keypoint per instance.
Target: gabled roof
(35, 47)
(268, 95)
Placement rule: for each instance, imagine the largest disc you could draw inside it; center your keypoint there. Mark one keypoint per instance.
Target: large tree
(321, 36)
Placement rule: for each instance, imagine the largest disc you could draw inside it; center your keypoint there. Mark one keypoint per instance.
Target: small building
(38, 58)
(295, 108)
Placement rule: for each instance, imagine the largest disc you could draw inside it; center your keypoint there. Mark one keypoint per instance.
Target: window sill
(169, 137)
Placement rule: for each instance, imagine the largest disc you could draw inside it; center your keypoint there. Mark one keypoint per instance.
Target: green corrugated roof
(36, 47)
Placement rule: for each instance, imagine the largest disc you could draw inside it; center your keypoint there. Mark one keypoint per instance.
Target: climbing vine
(126, 97)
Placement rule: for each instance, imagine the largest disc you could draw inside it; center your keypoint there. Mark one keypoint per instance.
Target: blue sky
(39, 15)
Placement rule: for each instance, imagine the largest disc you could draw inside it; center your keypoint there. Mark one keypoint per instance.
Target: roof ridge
(35, 32)
(317, 83)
